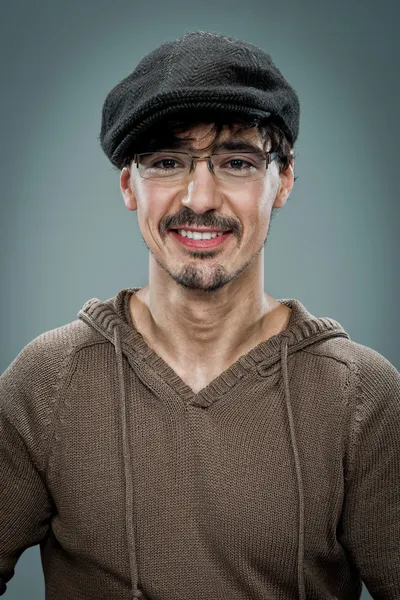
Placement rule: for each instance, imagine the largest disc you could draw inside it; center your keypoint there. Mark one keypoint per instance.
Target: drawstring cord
(300, 554)
(128, 472)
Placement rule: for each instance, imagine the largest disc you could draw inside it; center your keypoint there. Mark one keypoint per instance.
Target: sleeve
(370, 518)
(25, 506)
(26, 389)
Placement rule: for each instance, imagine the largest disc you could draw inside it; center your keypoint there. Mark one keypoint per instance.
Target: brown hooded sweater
(280, 480)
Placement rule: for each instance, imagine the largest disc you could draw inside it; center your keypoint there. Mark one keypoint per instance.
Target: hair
(164, 134)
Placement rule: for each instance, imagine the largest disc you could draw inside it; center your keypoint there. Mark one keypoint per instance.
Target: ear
(285, 185)
(125, 185)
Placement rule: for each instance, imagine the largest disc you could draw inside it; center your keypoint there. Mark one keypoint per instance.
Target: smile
(200, 239)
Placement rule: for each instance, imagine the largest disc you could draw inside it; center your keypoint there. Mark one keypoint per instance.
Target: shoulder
(32, 383)
(49, 351)
(360, 357)
(372, 381)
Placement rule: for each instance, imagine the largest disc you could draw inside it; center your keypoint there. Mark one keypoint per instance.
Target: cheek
(153, 203)
(267, 193)
(258, 202)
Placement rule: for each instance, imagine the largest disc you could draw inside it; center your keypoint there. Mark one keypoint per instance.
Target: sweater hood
(111, 318)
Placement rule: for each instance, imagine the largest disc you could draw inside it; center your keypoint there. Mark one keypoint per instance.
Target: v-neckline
(219, 386)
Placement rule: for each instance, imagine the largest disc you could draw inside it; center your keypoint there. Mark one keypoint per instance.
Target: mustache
(209, 219)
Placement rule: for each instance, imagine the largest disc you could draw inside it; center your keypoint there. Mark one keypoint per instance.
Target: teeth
(196, 235)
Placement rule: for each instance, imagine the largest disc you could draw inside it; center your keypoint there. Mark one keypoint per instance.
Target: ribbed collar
(303, 329)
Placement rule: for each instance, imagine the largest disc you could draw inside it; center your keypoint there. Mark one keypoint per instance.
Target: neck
(202, 328)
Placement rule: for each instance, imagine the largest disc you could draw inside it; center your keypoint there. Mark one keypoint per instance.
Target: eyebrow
(230, 145)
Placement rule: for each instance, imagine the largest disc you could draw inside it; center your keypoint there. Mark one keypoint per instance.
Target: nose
(202, 193)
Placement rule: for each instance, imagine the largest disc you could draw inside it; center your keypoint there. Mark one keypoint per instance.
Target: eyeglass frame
(268, 157)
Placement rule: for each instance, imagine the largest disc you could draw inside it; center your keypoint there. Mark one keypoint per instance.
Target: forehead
(204, 136)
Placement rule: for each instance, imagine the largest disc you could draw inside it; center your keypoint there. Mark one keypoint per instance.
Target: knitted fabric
(278, 480)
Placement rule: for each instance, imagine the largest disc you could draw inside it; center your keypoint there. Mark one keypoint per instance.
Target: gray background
(66, 235)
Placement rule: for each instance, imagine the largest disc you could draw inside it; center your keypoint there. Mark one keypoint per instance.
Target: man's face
(202, 202)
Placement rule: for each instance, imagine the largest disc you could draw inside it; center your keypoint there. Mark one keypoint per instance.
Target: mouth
(200, 238)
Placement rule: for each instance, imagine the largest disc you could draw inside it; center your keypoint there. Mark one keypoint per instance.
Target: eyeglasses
(228, 166)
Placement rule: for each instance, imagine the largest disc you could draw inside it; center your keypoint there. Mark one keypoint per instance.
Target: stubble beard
(192, 276)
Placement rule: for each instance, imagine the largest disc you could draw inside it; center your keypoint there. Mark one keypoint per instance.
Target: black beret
(202, 71)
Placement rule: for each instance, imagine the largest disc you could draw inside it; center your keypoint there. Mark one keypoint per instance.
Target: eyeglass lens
(228, 166)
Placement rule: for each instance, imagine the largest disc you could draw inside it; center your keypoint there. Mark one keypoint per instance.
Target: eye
(239, 164)
(166, 164)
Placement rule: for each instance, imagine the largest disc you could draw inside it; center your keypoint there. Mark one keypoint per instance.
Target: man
(197, 438)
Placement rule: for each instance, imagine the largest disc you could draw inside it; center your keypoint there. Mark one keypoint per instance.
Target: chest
(204, 478)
